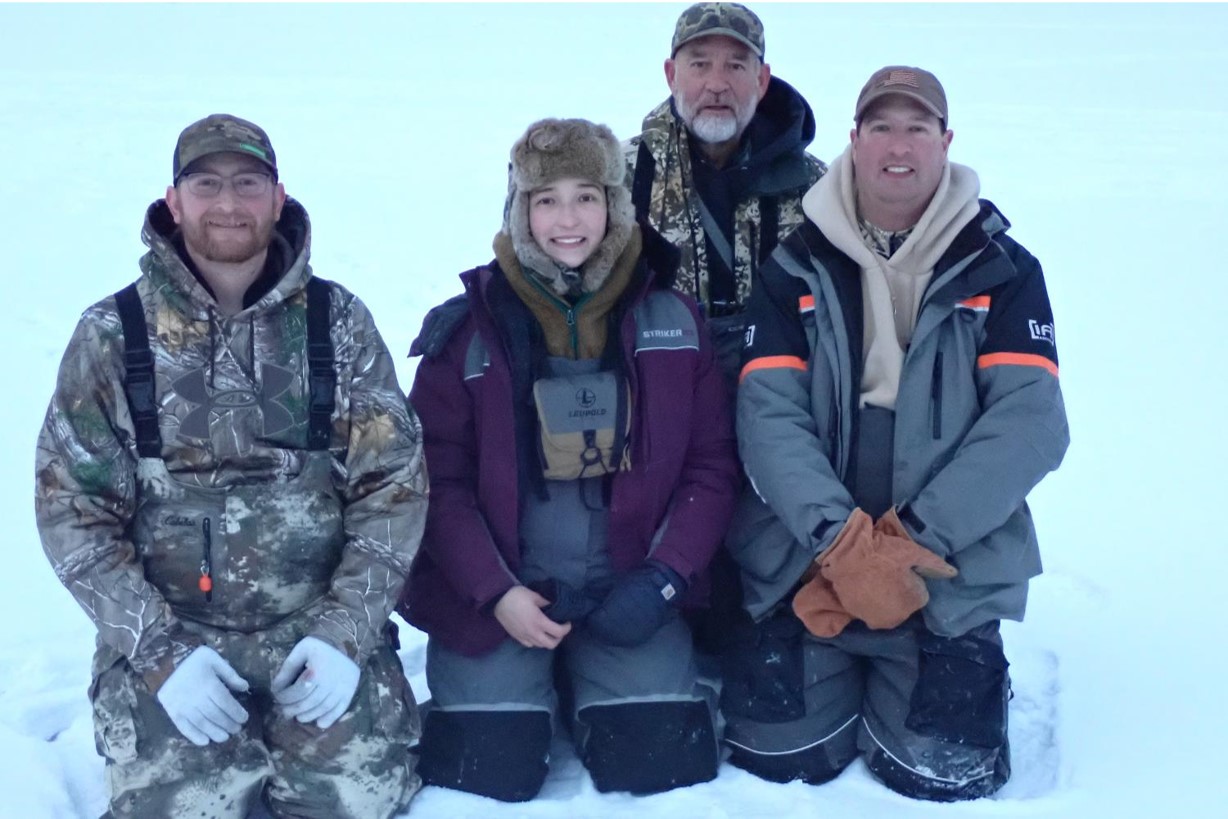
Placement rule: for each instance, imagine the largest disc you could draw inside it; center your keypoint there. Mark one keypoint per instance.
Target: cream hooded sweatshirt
(892, 288)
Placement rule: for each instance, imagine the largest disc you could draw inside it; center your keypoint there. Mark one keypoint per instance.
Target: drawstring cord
(251, 345)
(212, 348)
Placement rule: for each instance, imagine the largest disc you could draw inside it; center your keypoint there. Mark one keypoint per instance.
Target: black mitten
(640, 602)
(567, 603)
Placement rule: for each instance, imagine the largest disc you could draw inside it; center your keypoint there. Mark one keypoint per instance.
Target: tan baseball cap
(915, 83)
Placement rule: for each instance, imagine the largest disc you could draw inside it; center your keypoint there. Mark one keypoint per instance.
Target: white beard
(714, 128)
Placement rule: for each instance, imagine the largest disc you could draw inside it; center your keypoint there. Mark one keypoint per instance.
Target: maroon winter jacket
(682, 481)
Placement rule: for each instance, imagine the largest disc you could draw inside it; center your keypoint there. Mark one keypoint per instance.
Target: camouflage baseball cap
(916, 83)
(222, 133)
(730, 19)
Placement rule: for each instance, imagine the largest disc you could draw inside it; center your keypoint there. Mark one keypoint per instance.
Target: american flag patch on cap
(908, 78)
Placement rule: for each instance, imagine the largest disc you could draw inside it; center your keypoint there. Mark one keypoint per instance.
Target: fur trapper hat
(568, 148)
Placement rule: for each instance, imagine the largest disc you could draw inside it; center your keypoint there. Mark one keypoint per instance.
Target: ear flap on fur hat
(554, 149)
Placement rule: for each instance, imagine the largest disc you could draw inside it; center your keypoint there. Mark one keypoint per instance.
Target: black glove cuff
(909, 518)
(671, 584)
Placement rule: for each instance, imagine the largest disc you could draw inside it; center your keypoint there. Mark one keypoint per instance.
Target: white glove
(197, 697)
(322, 692)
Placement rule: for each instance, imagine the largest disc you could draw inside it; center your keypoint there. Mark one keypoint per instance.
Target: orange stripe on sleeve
(772, 362)
(1020, 359)
(976, 303)
(805, 303)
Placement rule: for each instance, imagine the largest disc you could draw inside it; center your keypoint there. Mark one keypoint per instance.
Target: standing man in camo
(231, 485)
(721, 165)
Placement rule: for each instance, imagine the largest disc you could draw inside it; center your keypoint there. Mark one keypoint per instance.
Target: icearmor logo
(749, 339)
(1041, 332)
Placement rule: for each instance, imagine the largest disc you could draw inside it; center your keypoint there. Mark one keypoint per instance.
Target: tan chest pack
(583, 421)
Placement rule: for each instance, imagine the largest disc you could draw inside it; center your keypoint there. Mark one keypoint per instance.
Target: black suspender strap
(620, 421)
(322, 377)
(139, 373)
(641, 184)
(139, 369)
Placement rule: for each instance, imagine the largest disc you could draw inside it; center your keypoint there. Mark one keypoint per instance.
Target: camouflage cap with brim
(728, 19)
(222, 133)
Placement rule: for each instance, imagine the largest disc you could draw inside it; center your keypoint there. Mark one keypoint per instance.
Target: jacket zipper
(573, 334)
(206, 561)
(936, 395)
(568, 311)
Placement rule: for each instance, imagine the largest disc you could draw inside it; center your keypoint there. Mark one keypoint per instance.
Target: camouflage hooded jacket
(776, 172)
(232, 399)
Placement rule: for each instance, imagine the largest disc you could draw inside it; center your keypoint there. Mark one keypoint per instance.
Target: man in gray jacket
(899, 399)
(231, 485)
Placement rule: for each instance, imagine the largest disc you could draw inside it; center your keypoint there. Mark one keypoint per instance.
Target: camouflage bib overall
(243, 557)
(243, 567)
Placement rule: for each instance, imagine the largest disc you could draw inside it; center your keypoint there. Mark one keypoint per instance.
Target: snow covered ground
(1100, 130)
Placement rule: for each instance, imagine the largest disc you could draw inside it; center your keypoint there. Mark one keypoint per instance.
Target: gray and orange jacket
(323, 535)
(979, 418)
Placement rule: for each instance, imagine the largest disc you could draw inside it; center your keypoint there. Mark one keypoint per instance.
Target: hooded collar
(164, 263)
(783, 124)
(832, 205)
(576, 330)
(780, 131)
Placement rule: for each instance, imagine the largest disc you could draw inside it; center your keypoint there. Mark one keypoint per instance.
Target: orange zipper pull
(206, 562)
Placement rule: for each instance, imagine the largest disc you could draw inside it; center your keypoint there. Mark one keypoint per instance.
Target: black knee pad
(961, 692)
(915, 786)
(814, 766)
(763, 668)
(500, 754)
(960, 698)
(649, 747)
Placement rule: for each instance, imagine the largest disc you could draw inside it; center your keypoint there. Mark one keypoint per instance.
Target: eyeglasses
(208, 185)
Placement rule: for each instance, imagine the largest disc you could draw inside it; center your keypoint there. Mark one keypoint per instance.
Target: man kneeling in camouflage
(231, 485)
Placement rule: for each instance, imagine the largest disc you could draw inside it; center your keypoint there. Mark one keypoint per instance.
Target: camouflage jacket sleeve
(384, 485)
(85, 497)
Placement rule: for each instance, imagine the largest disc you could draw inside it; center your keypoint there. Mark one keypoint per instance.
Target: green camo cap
(730, 19)
(222, 133)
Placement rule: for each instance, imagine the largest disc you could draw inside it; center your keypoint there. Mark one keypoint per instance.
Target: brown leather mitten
(816, 603)
(891, 524)
(820, 611)
(878, 578)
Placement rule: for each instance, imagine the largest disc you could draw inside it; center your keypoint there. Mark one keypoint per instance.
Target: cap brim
(224, 146)
(720, 32)
(877, 94)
